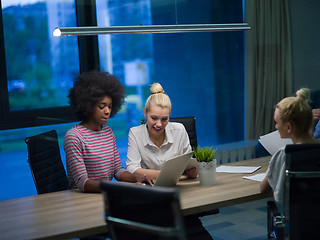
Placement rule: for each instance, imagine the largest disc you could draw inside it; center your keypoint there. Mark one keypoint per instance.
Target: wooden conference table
(71, 214)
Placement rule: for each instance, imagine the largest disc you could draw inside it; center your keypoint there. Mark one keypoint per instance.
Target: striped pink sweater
(91, 155)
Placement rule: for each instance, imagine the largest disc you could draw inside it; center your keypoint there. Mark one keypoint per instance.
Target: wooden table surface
(230, 189)
(72, 214)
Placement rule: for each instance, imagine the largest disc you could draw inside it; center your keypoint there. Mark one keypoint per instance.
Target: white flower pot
(207, 173)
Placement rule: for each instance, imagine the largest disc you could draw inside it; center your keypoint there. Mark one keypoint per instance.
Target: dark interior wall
(305, 34)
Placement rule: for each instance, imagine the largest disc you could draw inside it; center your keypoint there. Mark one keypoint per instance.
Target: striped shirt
(91, 155)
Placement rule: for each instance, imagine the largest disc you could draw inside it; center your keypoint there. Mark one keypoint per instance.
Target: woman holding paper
(293, 118)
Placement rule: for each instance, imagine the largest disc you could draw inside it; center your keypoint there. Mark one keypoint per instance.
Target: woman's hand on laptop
(143, 179)
(191, 172)
(150, 175)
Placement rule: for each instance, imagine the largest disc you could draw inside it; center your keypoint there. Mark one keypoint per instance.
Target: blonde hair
(297, 111)
(157, 98)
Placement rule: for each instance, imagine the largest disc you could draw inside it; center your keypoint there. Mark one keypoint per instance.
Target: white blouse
(143, 153)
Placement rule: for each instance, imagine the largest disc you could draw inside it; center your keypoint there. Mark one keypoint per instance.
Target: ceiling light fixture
(87, 31)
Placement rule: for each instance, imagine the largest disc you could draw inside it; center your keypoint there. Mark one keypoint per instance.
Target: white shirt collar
(148, 141)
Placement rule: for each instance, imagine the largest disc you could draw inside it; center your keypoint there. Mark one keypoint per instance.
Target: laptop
(172, 170)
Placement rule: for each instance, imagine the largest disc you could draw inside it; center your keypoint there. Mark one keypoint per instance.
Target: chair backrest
(142, 212)
(302, 191)
(45, 162)
(190, 126)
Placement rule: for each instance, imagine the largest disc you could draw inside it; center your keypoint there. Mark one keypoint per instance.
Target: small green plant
(204, 154)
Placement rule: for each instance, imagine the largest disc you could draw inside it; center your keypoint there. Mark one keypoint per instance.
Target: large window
(39, 67)
(203, 73)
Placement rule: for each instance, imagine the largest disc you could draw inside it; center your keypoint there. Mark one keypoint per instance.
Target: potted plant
(206, 165)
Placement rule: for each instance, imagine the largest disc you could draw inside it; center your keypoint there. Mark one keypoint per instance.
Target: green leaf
(204, 154)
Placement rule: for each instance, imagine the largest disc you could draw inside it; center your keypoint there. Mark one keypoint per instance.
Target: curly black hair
(89, 88)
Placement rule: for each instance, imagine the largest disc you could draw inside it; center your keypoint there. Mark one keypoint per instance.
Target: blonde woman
(293, 118)
(152, 143)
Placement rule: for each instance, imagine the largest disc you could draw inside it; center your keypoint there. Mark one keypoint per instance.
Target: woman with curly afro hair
(90, 146)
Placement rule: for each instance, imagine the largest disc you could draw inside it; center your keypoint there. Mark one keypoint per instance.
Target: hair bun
(303, 94)
(156, 88)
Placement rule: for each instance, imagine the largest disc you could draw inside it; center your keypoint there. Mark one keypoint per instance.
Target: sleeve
(75, 161)
(133, 156)
(316, 134)
(118, 168)
(276, 174)
(185, 141)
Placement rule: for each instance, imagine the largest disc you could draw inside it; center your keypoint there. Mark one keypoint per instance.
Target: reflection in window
(128, 56)
(203, 73)
(40, 67)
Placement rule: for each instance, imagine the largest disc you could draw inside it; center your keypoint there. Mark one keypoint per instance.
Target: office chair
(190, 126)
(142, 212)
(47, 168)
(45, 163)
(301, 217)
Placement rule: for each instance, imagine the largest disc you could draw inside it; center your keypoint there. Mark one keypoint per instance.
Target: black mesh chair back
(142, 212)
(190, 126)
(45, 163)
(301, 216)
(302, 191)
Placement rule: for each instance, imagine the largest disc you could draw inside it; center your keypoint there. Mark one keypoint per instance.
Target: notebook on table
(172, 170)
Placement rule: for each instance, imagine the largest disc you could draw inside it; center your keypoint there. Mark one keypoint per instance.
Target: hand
(191, 172)
(141, 179)
(316, 114)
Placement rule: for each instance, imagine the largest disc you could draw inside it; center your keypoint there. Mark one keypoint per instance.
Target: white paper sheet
(272, 142)
(257, 177)
(237, 169)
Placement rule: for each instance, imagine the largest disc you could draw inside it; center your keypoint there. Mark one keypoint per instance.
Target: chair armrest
(275, 225)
